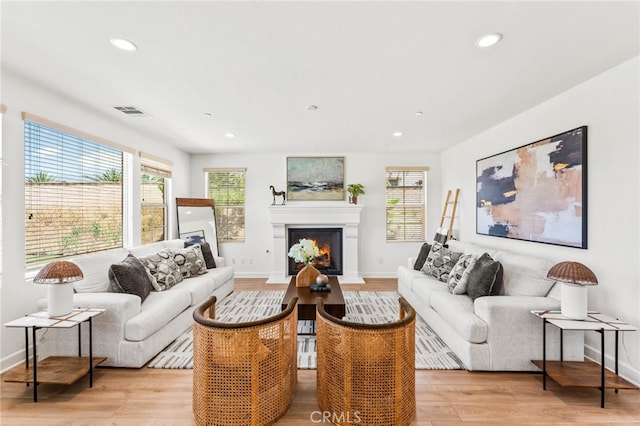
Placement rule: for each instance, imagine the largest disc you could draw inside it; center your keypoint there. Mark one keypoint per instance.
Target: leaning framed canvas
(315, 178)
(537, 192)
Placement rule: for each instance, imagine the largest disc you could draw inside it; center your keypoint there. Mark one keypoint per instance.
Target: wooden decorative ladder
(446, 215)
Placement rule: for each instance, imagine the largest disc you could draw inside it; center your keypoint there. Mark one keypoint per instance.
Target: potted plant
(354, 190)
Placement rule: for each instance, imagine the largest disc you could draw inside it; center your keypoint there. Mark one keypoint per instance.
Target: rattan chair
(243, 373)
(366, 372)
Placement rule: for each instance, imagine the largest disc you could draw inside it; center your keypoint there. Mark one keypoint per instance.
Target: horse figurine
(277, 194)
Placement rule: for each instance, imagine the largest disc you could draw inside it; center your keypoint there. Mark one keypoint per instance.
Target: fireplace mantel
(346, 216)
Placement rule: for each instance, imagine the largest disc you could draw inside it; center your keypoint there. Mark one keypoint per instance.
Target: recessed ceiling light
(489, 40)
(397, 134)
(208, 114)
(419, 113)
(123, 44)
(311, 107)
(230, 135)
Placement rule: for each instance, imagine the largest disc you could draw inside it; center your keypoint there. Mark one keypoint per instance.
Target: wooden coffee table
(333, 300)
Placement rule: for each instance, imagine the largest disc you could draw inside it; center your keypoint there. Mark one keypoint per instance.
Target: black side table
(55, 369)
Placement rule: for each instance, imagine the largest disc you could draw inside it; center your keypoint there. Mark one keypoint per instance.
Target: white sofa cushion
(147, 249)
(95, 269)
(458, 312)
(524, 275)
(158, 309)
(199, 287)
(425, 286)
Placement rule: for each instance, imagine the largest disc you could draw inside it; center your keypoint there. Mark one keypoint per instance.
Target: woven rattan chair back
(366, 372)
(243, 373)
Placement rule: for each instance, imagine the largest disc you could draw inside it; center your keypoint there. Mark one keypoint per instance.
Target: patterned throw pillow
(440, 262)
(206, 253)
(459, 275)
(190, 261)
(163, 269)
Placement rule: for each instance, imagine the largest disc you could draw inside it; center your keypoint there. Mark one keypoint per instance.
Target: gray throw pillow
(440, 261)
(206, 253)
(485, 278)
(422, 256)
(130, 276)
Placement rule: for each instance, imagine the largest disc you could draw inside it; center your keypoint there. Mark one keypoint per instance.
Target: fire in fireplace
(329, 242)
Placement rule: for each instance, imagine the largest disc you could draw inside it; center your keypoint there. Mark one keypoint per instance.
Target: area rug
(361, 306)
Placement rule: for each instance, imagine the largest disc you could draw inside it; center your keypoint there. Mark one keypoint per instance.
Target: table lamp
(575, 278)
(59, 275)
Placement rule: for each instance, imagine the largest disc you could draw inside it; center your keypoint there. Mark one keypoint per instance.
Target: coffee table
(333, 300)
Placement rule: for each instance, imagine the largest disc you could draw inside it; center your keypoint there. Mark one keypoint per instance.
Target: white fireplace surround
(320, 215)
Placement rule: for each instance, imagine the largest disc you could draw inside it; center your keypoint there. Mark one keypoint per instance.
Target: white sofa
(496, 333)
(131, 332)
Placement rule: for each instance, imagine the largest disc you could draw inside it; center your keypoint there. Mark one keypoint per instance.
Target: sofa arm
(410, 262)
(505, 310)
(515, 334)
(120, 306)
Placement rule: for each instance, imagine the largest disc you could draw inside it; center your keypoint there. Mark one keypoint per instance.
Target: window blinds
(405, 203)
(73, 194)
(227, 188)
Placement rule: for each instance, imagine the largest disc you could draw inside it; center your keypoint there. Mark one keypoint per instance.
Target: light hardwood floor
(150, 396)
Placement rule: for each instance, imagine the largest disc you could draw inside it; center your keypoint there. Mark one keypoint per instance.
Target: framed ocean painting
(537, 192)
(315, 178)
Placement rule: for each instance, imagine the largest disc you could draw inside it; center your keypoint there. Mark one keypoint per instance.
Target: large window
(154, 185)
(227, 189)
(73, 194)
(405, 202)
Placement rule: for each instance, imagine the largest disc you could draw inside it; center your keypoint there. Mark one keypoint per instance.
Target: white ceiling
(368, 66)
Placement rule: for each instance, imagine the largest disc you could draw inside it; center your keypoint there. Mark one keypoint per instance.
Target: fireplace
(329, 243)
(315, 215)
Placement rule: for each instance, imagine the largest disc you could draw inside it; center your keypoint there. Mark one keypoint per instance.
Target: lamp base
(60, 299)
(574, 301)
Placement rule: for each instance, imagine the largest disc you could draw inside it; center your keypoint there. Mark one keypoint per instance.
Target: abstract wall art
(315, 178)
(537, 192)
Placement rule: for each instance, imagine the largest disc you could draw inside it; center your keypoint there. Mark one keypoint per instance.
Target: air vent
(132, 111)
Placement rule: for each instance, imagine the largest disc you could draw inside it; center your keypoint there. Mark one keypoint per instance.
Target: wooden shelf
(61, 370)
(585, 374)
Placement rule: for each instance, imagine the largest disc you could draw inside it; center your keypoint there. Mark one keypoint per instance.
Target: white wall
(19, 295)
(609, 105)
(377, 257)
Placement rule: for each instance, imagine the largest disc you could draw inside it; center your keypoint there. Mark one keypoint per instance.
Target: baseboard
(11, 361)
(625, 370)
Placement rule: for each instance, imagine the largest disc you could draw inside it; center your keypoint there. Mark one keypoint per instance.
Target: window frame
(404, 206)
(223, 208)
(77, 136)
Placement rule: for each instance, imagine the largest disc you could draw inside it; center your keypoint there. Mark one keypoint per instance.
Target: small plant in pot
(354, 190)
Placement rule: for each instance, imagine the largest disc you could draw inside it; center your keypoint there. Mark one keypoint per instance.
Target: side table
(582, 373)
(56, 369)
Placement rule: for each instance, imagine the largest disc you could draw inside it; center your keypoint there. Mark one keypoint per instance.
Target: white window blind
(405, 203)
(73, 194)
(227, 189)
(154, 181)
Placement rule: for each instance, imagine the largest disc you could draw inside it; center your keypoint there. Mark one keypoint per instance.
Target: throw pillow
(163, 268)
(206, 253)
(440, 261)
(459, 275)
(130, 276)
(422, 256)
(485, 278)
(189, 260)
